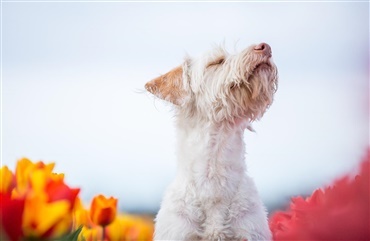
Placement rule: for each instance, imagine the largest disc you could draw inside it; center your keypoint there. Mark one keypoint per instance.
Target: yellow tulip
(44, 219)
(130, 228)
(117, 229)
(25, 168)
(90, 234)
(141, 230)
(82, 217)
(7, 179)
(49, 202)
(78, 204)
(103, 210)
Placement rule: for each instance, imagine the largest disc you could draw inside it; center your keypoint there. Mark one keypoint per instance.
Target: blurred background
(72, 91)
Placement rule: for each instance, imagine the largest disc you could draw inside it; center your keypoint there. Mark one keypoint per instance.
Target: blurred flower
(24, 171)
(103, 211)
(36, 204)
(89, 234)
(340, 212)
(123, 228)
(58, 190)
(40, 206)
(82, 217)
(11, 211)
(141, 230)
(48, 212)
(117, 229)
(7, 179)
(130, 228)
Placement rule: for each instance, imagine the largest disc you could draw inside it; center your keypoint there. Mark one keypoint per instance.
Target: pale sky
(73, 77)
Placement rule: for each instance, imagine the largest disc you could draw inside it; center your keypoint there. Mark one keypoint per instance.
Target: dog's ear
(169, 86)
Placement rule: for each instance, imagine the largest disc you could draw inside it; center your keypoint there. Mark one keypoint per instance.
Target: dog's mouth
(260, 66)
(263, 66)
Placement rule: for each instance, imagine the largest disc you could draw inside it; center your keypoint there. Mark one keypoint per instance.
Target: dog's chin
(262, 66)
(261, 69)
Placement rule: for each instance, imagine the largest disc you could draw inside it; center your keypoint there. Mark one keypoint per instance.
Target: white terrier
(216, 98)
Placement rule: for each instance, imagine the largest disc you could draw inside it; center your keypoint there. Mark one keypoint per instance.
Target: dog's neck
(210, 149)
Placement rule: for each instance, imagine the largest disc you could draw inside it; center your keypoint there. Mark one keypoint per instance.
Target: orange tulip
(103, 211)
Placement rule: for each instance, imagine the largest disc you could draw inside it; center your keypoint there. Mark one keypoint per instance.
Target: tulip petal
(7, 180)
(11, 211)
(40, 216)
(103, 210)
(339, 212)
(58, 190)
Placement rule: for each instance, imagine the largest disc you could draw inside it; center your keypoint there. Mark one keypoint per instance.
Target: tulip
(339, 212)
(117, 229)
(46, 220)
(130, 228)
(82, 217)
(89, 234)
(25, 170)
(49, 202)
(58, 190)
(48, 214)
(7, 179)
(141, 230)
(103, 211)
(11, 211)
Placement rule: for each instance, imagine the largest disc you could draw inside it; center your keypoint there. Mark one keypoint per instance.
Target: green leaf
(72, 236)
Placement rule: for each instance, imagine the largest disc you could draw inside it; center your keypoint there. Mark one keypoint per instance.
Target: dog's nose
(263, 48)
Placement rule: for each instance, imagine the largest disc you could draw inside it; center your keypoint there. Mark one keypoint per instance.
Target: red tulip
(11, 211)
(340, 212)
(57, 190)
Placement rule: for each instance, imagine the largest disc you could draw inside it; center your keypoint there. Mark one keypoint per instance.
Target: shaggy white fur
(216, 97)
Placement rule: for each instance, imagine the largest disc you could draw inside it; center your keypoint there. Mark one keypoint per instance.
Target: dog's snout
(263, 48)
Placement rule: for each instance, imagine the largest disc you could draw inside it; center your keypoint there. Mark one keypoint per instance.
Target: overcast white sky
(73, 75)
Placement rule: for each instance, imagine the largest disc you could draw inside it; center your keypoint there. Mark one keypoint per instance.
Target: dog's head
(220, 86)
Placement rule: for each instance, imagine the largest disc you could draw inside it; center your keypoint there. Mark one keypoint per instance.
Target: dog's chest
(216, 180)
(213, 164)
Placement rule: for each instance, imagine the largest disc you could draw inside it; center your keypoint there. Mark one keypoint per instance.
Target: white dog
(216, 98)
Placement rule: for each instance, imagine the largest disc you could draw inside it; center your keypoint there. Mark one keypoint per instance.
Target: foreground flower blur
(36, 204)
(11, 211)
(38, 201)
(340, 212)
(7, 180)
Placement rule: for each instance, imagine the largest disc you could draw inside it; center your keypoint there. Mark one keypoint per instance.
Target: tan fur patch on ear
(168, 86)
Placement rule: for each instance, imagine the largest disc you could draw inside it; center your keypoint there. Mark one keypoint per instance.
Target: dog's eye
(217, 62)
(233, 86)
(220, 61)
